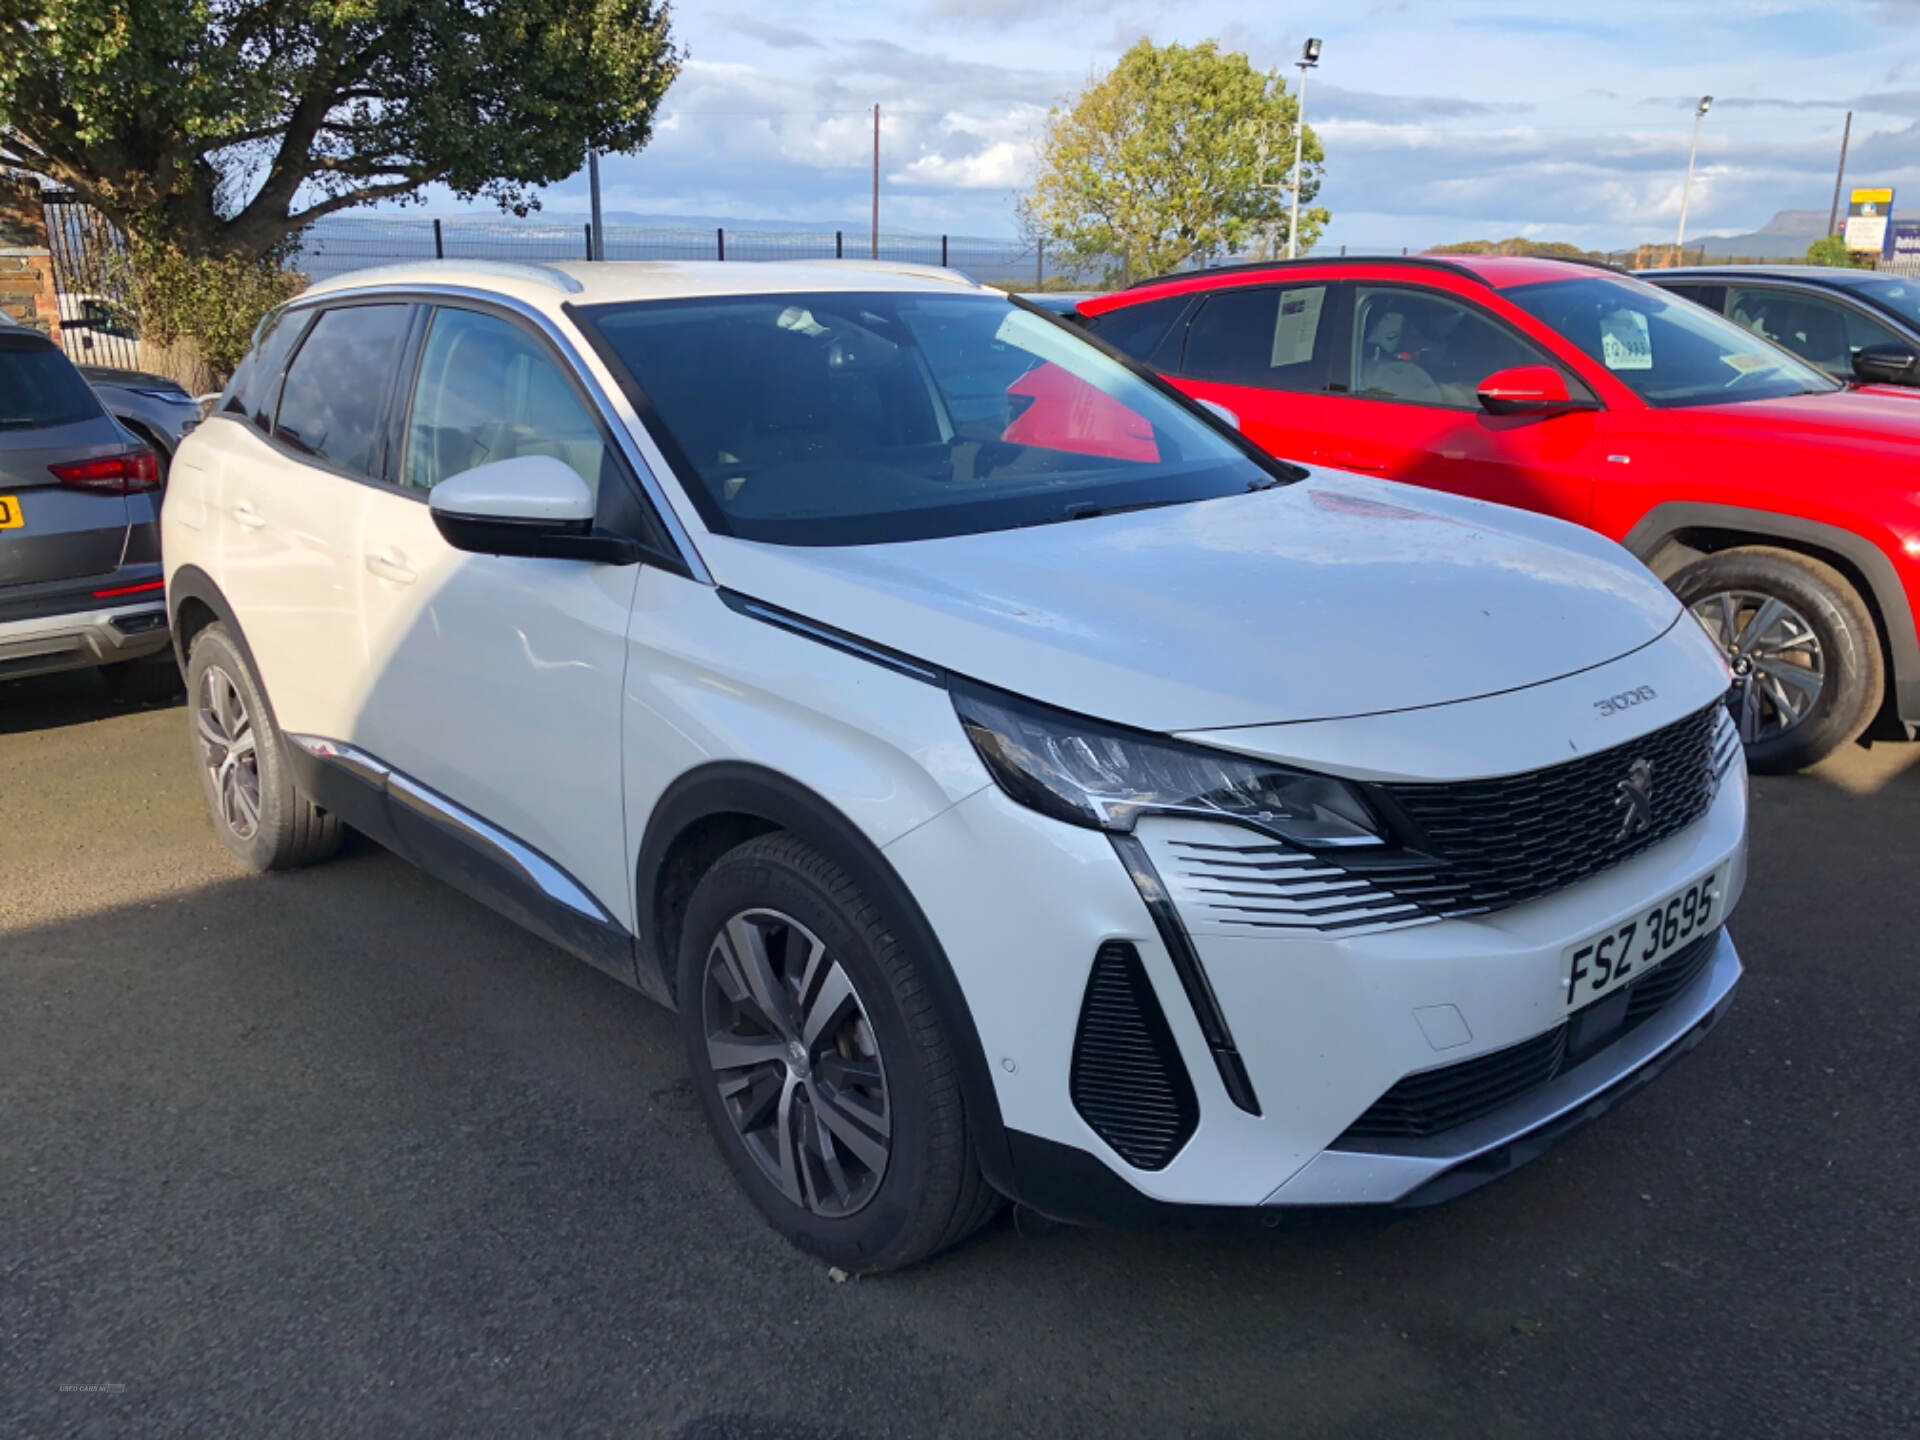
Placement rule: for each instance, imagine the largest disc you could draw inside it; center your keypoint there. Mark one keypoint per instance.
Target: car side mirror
(1222, 411)
(1886, 365)
(1528, 390)
(532, 506)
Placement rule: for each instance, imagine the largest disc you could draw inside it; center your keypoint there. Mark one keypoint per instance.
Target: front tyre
(243, 767)
(1808, 675)
(825, 1071)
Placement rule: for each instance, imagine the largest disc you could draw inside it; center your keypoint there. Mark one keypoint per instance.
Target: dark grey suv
(80, 580)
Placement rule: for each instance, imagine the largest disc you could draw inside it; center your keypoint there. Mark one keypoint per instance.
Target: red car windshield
(1668, 351)
(848, 418)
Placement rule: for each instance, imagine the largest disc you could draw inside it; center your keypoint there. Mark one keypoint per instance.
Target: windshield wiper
(1087, 510)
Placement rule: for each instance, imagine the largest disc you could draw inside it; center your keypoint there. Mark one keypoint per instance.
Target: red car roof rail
(1423, 262)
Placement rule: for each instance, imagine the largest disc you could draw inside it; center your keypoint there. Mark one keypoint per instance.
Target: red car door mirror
(1528, 390)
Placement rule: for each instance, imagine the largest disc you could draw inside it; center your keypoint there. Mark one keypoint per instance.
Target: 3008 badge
(1620, 955)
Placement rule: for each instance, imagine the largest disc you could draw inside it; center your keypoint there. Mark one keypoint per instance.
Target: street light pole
(599, 246)
(1686, 191)
(1309, 57)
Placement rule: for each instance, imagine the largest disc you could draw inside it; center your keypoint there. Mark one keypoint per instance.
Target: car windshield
(860, 418)
(1668, 351)
(1889, 292)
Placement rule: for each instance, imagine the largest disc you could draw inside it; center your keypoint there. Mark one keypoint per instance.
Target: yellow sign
(10, 516)
(1867, 215)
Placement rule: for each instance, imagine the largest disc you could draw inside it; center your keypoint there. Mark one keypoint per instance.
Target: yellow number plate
(10, 516)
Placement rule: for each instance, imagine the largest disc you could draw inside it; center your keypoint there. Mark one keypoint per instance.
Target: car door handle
(390, 566)
(244, 514)
(1347, 460)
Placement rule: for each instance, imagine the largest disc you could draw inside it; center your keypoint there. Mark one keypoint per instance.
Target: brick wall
(26, 267)
(26, 289)
(23, 225)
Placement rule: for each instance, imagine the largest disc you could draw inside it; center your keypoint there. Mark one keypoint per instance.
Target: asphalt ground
(340, 1153)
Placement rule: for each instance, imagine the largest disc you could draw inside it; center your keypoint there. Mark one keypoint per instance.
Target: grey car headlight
(1087, 772)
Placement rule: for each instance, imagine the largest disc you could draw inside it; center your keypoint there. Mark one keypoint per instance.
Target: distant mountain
(1785, 237)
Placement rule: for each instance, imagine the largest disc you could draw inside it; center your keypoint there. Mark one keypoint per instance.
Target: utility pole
(1309, 57)
(876, 182)
(1686, 191)
(598, 235)
(1833, 212)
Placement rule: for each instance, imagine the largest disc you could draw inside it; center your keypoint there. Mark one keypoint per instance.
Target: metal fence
(92, 283)
(338, 244)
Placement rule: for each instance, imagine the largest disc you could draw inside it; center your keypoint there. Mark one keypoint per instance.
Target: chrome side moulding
(478, 835)
(496, 844)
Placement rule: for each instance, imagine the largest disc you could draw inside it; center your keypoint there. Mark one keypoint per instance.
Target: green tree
(213, 131)
(1180, 151)
(1832, 250)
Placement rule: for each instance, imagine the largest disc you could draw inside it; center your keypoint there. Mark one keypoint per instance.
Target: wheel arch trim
(737, 788)
(1666, 522)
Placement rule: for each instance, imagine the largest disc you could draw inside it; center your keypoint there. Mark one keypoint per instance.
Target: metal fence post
(720, 240)
(943, 252)
(839, 245)
(587, 229)
(439, 248)
(1039, 264)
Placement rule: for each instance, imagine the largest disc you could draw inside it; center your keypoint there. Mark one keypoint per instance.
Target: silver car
(80, 580)
(156, 409)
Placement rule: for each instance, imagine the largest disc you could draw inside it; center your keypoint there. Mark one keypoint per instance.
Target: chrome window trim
(624, 426)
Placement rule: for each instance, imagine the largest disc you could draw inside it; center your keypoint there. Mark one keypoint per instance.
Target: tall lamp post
(1309, 57)
(1680, 240)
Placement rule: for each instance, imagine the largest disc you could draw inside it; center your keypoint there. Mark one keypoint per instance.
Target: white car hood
(1331, 597)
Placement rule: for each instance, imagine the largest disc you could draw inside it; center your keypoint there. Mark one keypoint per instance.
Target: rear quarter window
(39, 388)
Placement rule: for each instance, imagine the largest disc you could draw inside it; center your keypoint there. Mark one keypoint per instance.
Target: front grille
(1436, 1100)
(1128, 1081)
(1495, 843)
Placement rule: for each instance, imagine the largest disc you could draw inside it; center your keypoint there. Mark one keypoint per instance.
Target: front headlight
(1089, 773)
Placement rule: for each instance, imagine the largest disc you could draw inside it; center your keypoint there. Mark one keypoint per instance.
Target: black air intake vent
(1128, 1081)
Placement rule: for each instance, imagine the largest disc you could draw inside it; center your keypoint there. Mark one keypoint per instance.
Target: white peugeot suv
(1019, 784)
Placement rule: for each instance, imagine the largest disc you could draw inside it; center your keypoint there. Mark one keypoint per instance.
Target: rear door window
(1274, 337)
(334, 402)
(39, 388)
(256, 384)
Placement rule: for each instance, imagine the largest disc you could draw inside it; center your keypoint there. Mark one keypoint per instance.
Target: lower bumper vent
(1128, 1081)
(1436, 1100)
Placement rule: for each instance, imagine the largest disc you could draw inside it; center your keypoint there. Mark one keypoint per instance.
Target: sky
(1466, 119)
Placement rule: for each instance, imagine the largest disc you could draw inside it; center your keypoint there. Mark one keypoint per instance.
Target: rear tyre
(243, 767)
(1808, 675)
(822, 1062)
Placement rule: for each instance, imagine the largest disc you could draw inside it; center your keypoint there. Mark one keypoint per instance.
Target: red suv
(1783, 508)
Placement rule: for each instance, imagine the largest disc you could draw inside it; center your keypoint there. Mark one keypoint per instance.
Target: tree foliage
(223, 127)
(1518, 245)
(1832, 250)
(1178, 152)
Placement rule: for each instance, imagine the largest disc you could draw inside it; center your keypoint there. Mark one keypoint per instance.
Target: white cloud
(1474, 119)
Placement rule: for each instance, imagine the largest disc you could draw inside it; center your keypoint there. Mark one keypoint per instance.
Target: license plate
(10, 516)
(1621, 954)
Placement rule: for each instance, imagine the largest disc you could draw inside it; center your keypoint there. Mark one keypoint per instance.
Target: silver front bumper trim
(1390, 1171)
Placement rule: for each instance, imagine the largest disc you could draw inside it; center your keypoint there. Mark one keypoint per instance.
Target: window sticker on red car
(1624, 342)
(1296, 325)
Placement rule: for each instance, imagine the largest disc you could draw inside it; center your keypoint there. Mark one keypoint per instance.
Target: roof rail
(534, 274)
(1425, 262)
(892, 267)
